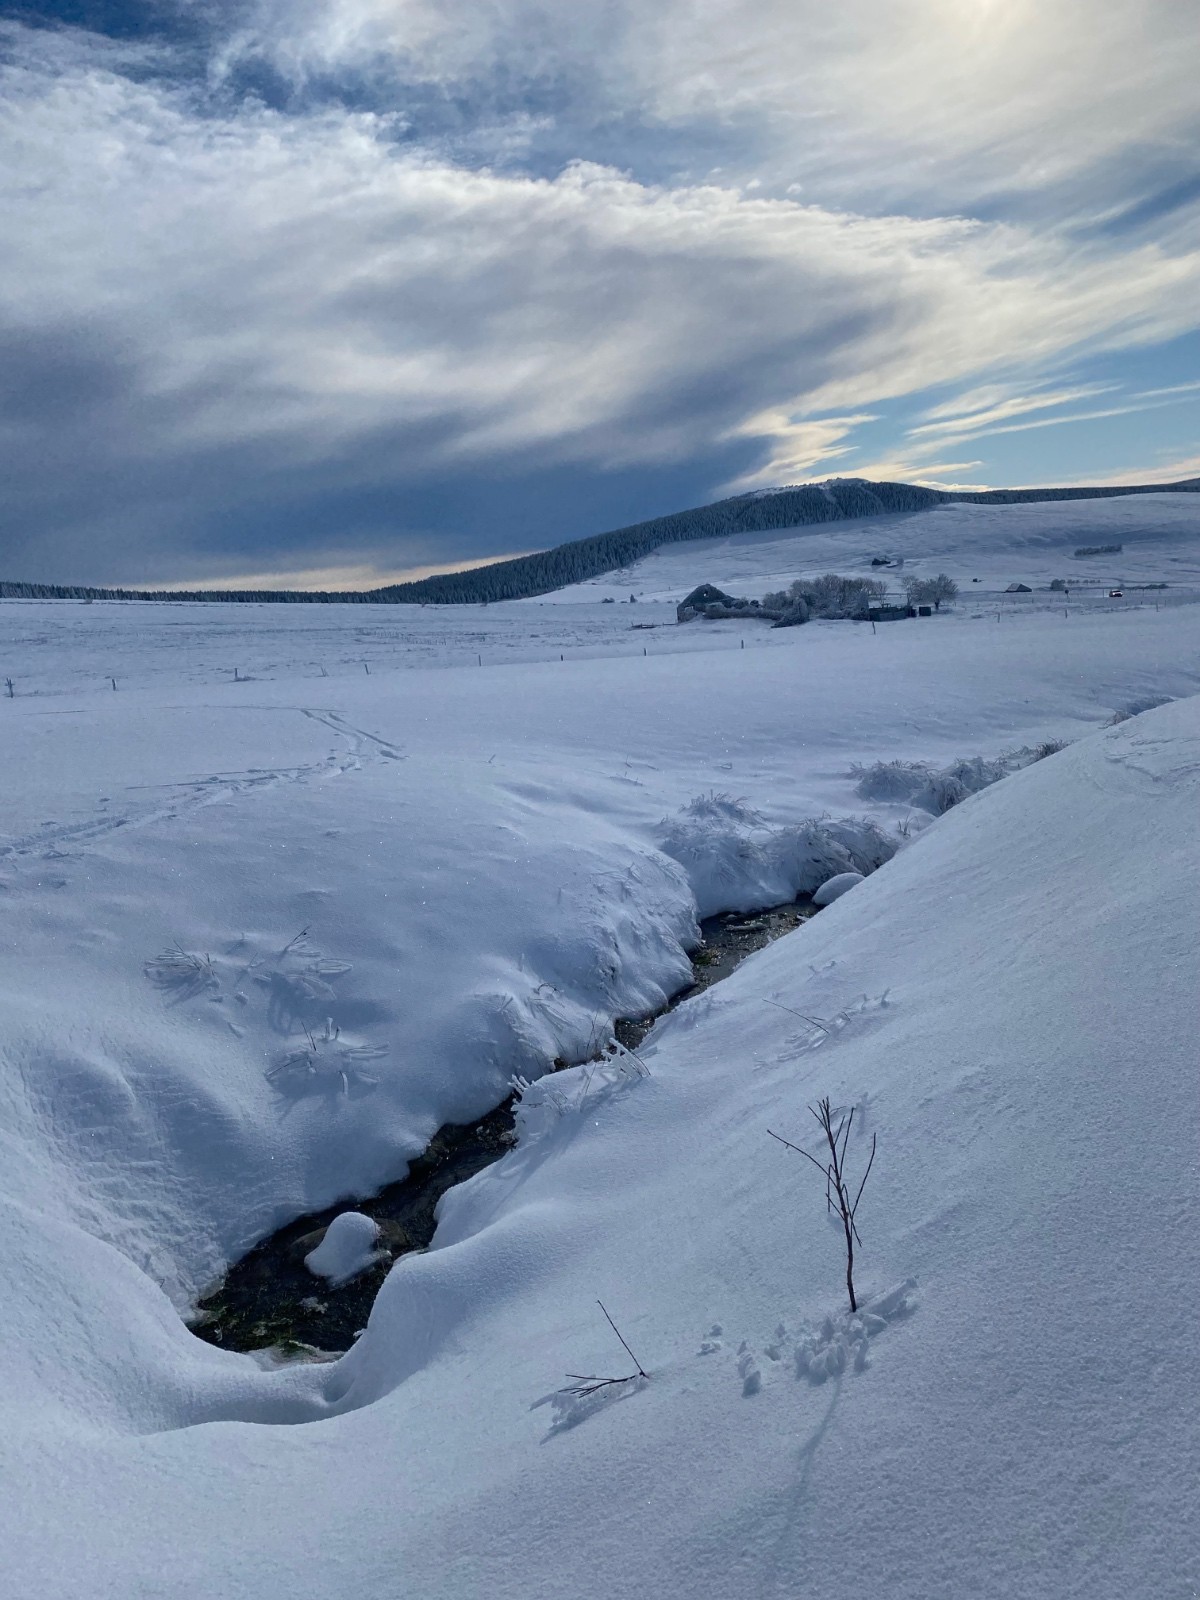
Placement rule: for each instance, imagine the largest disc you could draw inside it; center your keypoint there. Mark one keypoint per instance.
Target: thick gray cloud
(243, 337)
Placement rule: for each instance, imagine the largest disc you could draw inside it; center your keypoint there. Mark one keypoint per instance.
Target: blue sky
(326, 291)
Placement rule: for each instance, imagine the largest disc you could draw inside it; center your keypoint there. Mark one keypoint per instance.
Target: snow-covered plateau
(311, 881)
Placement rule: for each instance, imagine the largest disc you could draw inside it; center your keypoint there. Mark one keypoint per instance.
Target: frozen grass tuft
(1134, 708)
(939, 789)
(735, 861)
(890, 781)
(182, 973)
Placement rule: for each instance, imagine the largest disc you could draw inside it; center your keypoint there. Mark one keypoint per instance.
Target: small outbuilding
(1018, 588)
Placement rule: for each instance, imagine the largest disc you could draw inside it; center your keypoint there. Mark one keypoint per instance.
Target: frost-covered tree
(830, 595)
(943, 587)
(930, 591)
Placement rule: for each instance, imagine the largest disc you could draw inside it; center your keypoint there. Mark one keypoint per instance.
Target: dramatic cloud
(357, 286)
(935, 97)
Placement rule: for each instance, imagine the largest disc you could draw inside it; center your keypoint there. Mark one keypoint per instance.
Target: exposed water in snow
(268, 1299)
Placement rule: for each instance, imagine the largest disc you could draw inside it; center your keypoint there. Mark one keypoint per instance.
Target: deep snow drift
(261, 939)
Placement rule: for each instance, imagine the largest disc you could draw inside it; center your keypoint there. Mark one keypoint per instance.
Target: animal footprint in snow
(845, 1343)
(775, 1350)
(837, 1345)
(748, 1370)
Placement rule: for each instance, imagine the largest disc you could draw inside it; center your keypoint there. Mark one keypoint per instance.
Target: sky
(331, 291)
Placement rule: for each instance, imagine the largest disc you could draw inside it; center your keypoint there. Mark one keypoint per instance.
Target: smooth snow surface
(347, 1249)
(260, 939)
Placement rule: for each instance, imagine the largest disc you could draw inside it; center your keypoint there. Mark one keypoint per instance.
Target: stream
(270, 1300)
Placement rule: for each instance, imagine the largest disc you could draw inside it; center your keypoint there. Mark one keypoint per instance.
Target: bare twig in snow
(837, 1184)
(812, 1021)
(582, 1385)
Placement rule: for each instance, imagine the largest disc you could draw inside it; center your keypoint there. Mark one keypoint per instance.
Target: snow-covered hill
(449, 874)
(998, 545)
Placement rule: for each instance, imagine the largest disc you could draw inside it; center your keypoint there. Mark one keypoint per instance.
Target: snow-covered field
(449, 874)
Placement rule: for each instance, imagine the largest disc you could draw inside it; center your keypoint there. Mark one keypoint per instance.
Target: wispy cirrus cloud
(973, 413)
(795, 446)
(978, 428)
(1172, 389)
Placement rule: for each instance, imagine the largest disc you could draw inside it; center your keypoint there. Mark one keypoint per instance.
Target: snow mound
(834, 888)
(348, 1248)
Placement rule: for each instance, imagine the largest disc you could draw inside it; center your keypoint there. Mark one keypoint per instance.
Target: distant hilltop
(837, 500)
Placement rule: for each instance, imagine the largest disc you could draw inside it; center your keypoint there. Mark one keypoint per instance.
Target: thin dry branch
(641, 1372)
(837, 1140)
(814, 1022)
(583, 1384)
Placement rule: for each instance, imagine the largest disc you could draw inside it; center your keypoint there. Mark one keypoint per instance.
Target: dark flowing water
(269, 1299)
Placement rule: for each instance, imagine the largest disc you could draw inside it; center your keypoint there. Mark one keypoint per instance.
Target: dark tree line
(547, 570)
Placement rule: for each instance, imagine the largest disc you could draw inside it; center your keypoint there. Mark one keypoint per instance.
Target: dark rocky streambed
(270, 1300)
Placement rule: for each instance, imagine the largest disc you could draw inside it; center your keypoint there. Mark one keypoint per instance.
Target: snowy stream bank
(270, 1300)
